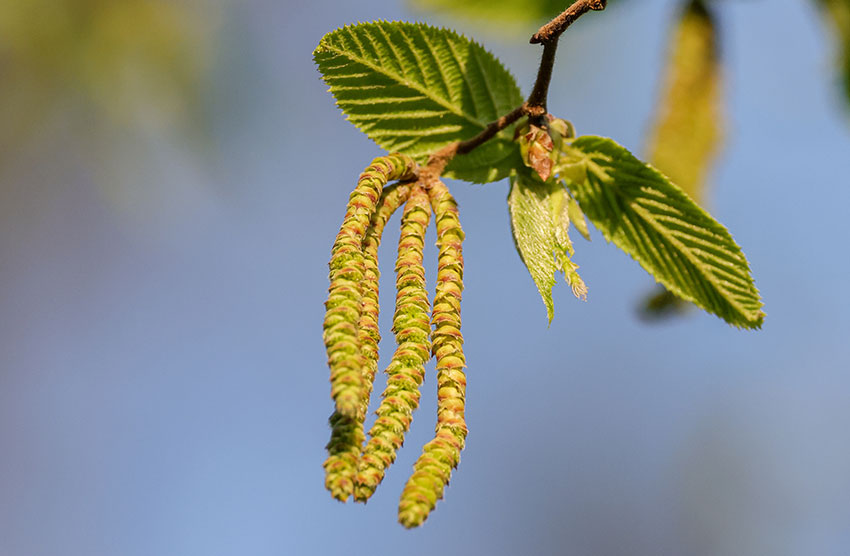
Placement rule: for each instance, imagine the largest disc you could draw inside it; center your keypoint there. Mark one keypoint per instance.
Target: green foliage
(431, 94)
(413, 88)
(647, 216)
(503, 12)
(688, 127)
(540, 222)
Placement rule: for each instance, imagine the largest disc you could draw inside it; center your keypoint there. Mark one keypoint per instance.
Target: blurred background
(172, 176)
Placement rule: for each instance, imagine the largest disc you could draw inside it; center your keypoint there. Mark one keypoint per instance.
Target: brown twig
(438, 160)
(491, 130)
(535, 106)
(552, 30)
(548, 35)
(537, 98)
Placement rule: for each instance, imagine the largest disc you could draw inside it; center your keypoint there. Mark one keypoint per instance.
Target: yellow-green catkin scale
(406, 370)
(432, 470)
(346, 276)
(688, 130)
(347, 436)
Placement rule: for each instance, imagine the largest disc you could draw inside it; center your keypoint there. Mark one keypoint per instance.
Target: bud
(559, 130)
(536, 148)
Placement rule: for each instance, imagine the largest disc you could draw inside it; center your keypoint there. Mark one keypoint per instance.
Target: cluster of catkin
(355, 466)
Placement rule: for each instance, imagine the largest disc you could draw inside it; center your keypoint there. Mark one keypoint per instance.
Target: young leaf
(577, 218)
(540, 221)
(413, 88)
(676, 241)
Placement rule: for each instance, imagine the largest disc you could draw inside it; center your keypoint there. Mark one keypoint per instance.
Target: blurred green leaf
(687, 131)
(838, 12)
(128, 80)
(140, 62)
(661, 304)
(513, 12)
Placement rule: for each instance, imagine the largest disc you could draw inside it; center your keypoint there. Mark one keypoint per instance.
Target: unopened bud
(536, 148)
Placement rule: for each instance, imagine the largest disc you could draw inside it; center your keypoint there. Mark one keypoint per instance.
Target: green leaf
(577, 218)
(540, 224)
(413, 88)
(647, 216)
(688, 127)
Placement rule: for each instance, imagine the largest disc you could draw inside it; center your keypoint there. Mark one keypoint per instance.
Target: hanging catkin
(347, 434)
(432, 470)
(347, 271)
(406, 370)
(351, 319)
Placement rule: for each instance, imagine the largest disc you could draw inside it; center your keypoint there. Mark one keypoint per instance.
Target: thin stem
(491, 130)
(537, 98)
(548, 35)
(535, 106)
(438, 160)
(552, 30)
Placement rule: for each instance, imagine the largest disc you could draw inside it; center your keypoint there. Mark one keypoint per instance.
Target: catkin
(406, 370)
(432, 470)
(346, 276)
(343, 453)
(369, 333)
(347, 435)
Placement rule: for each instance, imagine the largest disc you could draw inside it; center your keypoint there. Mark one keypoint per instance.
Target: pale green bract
(540, 224)
(647, 216)
(413, 88)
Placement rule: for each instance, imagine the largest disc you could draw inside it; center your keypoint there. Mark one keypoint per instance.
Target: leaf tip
(757, 322)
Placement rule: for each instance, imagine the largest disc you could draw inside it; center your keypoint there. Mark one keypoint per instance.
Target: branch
(535, 106)
(548, 35)
(537, 98)
(552, 30)
(491, 130)
(438, 161)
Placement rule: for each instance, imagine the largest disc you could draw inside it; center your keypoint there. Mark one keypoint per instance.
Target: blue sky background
(163, 387)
